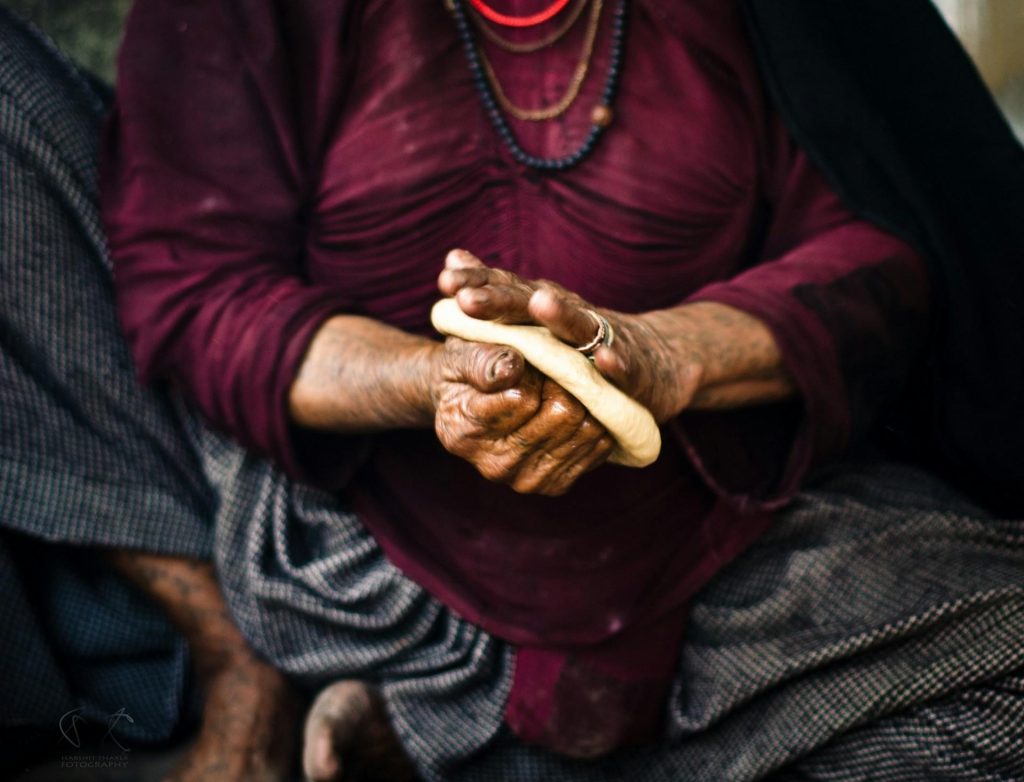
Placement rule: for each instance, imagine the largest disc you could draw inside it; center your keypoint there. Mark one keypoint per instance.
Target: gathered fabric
(877, 630)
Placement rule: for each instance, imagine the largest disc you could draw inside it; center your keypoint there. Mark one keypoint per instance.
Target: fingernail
(478, 297)
(504, 365)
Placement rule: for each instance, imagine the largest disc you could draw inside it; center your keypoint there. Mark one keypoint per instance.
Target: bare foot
(349, 737)
(250, 727)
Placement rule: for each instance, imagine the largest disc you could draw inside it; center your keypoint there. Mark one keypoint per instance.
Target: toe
(320, 760)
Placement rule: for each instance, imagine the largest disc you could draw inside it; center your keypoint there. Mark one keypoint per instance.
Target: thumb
(491, 368)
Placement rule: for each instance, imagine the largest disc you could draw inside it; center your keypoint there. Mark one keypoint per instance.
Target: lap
(878, 593)
(879, 596)
(312, 591)
(876, 632)
(971, 734)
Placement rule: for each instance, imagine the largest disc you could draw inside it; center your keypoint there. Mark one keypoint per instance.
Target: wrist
(678, 355)
(360, 375)
(738, 360)
(427, 372)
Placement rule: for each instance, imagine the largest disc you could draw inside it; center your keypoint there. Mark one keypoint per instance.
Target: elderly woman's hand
(486, 406)
(651, 358)
(514, 425)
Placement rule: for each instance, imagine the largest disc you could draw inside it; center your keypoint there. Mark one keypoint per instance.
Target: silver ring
(604, 337)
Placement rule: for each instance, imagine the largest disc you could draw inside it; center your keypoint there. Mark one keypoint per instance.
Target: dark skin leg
(348, 738)
(251, 713)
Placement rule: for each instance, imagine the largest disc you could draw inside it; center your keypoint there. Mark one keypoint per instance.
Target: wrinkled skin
(529, 433)
(643, 360)
(249, 729)
(518, 427)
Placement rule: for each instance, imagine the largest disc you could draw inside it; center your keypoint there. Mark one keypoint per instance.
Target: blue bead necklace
(501, 125)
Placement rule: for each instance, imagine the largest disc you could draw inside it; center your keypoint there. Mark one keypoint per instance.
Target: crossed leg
(250, 711)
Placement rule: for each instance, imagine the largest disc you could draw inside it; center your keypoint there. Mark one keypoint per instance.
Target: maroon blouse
(271, 164)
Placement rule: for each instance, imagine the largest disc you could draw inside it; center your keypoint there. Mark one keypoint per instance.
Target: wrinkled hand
(514, 425)
(649, 360)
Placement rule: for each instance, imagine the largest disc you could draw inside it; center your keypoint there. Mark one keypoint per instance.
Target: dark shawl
(888, 104)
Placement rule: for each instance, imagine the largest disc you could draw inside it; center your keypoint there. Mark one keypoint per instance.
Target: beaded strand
(501, 124)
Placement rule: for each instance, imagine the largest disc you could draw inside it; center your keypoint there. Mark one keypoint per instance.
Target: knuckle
(552, 286)
(590, 429)
(451, 438)
(519, 442)
(504, 277)
(556, 489)
(558, 411)
(605, 445)
(534, 478)
(475, 361)
(528, 485)
(565, 412)
(532, 481)
(463, 415)
(499, 468)
(492, 471)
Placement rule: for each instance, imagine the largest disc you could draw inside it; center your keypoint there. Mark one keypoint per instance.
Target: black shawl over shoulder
(886, 102)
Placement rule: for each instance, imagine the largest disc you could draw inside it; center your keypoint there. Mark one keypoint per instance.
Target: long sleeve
(203, 189)
(847, 304)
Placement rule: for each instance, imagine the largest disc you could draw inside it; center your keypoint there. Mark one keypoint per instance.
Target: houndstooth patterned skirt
(877, 632)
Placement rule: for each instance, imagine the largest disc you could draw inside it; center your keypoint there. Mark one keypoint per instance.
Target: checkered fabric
(81, 441)
(87, 457)
(877, 632)
(874, 634)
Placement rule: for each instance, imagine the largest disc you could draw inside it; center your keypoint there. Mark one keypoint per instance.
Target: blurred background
(88, 30)
(992, 31)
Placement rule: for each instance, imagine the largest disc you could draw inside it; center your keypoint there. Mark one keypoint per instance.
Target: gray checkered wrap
(80, 439)
(877, 632)
(86, 456)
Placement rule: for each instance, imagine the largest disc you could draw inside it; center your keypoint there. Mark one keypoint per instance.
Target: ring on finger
(604, 338)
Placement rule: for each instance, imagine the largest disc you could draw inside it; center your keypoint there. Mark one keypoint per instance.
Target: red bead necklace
(519, 21)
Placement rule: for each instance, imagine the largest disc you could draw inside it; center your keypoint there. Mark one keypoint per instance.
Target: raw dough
(629, 422)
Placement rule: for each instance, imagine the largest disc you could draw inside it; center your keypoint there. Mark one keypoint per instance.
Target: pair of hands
(519, 427)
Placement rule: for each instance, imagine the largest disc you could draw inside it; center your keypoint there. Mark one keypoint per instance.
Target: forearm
(723, 356)
(361, 375)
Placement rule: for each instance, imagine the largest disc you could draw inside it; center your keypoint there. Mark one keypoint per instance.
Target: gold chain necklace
(579, 76)
(527, 47)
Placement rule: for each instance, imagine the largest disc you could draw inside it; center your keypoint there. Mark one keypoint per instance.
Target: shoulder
(259, 29)
(712, 31)
(718, 21)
